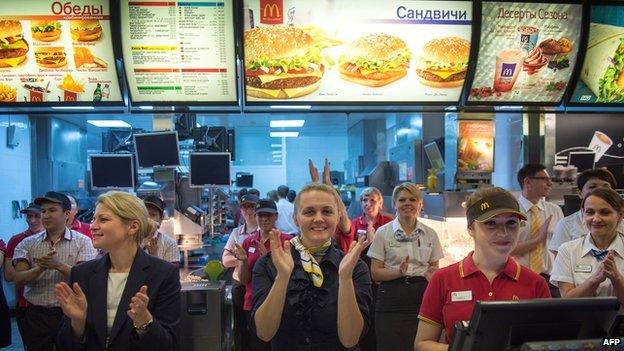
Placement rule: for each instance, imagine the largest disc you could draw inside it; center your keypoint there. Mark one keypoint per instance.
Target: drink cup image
(528, 37)
(508, 67)
(600, 143)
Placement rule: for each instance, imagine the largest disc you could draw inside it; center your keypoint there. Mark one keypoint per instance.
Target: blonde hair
(484, 193)
(410, 188)
(129, 208)
(317, 187)
(371, 191)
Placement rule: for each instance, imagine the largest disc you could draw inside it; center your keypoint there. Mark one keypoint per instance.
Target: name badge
(582, 268)
(251, 250)
(393, 244)
(457, 296)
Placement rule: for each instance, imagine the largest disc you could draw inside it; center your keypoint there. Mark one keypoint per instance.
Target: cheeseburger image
(85, 29)
(443, 62)
(281, 62)
(45, 30)
(13, 47)
(375, 60)
(50, 56)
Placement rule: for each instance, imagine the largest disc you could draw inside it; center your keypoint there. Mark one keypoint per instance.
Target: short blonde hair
(371, 191)
(317, 187)
(410, 188)
(129, 208)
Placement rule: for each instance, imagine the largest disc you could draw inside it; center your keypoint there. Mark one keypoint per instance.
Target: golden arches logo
(485, 206)
(273, 10)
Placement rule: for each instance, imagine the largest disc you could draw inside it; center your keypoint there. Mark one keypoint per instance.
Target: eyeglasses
(548, 179)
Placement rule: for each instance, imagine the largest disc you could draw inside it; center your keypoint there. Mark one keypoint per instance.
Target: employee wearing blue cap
(43, 260)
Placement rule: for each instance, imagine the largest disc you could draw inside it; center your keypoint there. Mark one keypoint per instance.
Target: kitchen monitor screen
(159, 149)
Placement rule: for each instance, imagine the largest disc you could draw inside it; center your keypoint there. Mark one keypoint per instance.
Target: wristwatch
(144, 326)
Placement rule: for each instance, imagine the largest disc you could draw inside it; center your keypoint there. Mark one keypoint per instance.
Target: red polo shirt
(250, 245)
(82, 227)
(16, 239)
(453, 291)
(359, 223)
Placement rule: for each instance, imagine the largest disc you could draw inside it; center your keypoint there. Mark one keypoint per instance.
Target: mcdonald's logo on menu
(272, 11)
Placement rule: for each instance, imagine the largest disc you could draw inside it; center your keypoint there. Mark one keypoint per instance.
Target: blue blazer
(163, 288)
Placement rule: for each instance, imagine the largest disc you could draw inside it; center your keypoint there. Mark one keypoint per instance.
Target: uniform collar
(467, 267)
(43, 236)
(396, 226)
(526, 204)
(332, 255)
(364, 223)
(617, 245)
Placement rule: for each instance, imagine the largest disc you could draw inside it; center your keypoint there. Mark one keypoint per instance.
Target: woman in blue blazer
(127, 299)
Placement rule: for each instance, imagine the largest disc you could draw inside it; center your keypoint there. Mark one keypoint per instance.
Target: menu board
(57, 52)
(475, 146)
(527, 52)
(602, 77)
(356, 51)
(179, 51)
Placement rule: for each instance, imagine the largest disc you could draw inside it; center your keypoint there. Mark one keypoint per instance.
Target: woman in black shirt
(308, 295)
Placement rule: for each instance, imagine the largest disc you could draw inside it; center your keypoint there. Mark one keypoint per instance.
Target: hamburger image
(50, 56)
(443, 62)
(85, 29)
(45, 30)
(375, 60)
(13, 47)
(281, 62)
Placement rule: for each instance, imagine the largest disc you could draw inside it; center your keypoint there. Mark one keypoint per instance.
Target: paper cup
(600, 143)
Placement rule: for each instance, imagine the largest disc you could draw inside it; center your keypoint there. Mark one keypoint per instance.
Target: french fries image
(7, 93)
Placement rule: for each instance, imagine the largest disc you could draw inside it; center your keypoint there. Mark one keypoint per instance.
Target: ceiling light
(294, 123)
(109, 123)
(284, 134)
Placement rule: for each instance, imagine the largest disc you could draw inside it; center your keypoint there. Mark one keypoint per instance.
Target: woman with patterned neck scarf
(592, 264)
(307, 294)
(403, 254)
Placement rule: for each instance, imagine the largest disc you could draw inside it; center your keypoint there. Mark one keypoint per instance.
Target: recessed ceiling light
(109, 123)
(284, 134)
(294, 123)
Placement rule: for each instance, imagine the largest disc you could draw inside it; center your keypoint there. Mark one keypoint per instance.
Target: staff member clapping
(127, 299)
(592, 265)
(308, 295)
(404, 254)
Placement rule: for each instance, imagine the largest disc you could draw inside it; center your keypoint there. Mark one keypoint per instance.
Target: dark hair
(282, 191)
(253, 191)
(291, 195)
(529, 170)
(610, 196)
(598, 173)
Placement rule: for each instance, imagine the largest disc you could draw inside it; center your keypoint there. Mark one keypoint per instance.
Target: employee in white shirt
(573, 226)
(285, 210)
(592, 265)
(542, 217)
(404, 254)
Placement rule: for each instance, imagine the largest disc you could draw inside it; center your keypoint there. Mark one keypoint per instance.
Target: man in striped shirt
(41, 261)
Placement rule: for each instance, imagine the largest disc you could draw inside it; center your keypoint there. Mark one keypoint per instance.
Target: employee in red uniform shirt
(5, 320)
(75, 224)
(254, 247)
(35, 225)
(486, 274)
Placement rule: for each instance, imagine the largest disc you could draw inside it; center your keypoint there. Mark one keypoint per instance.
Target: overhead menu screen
(527, 52)
(179, 51)
(57, 52)
(602, 77)
(356, 51)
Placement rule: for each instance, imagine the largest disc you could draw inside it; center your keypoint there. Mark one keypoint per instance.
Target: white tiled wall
(14, 174)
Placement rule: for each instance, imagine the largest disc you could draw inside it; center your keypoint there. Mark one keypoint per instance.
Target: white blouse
(116, 285)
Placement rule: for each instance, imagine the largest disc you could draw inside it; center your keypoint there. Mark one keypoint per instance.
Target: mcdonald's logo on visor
(272, 11)
(485, 206)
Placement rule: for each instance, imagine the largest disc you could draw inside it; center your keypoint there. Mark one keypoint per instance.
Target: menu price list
(181, 51)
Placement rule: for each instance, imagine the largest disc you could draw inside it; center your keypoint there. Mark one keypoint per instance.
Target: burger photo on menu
(85, 29)
(281, 62)
(443, 62)
(13, 47)
(375, 60)
(43, 30)
(50, 56)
